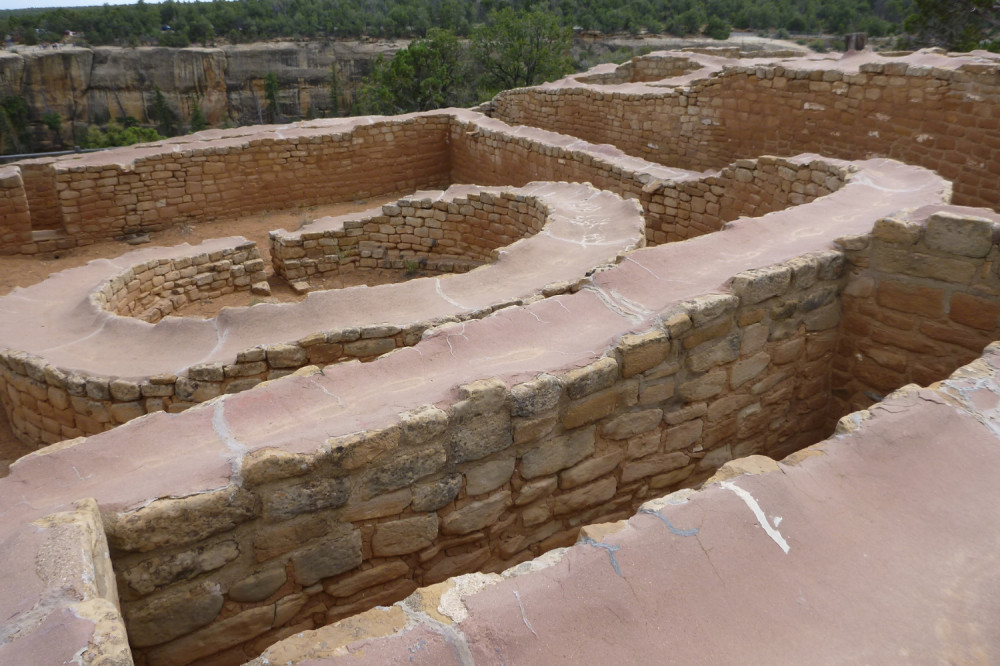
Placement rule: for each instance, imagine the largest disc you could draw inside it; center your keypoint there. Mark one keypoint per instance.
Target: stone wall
(645, 68)
(921, 302)
(156, 288)
(442, 236)
(933, 112)
(494, 479)
(15, 220)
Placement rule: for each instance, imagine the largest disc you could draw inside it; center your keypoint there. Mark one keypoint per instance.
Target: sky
(23, 4)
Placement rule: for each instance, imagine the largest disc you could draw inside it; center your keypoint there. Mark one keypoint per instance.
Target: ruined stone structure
(587, 353)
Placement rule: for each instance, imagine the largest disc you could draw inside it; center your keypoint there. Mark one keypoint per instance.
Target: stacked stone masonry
(775, 296)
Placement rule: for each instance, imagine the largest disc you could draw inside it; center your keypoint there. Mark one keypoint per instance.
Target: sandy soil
(23, 271)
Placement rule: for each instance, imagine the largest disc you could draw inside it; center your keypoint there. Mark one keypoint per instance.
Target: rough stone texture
(739, 376)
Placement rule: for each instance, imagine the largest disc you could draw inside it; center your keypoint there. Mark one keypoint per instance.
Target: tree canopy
(517, 49)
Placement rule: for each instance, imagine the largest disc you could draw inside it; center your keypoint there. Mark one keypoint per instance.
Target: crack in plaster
(758, 513)
(221, 427)
(524, 617)
(611, 550)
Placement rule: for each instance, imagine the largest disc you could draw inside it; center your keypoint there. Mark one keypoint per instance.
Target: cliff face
(93, 85)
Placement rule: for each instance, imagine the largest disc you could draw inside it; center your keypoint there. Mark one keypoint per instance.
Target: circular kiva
(78, 331)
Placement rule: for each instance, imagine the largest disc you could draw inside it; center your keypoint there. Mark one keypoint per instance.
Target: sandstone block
(476, 515)
(403, 468)
(174, 613)
(258, 586)
(631, 424)
(164, 570)
(536, 396)
(642, 352)
(408, 535)
(124, 391)
(588, 470)
(478, 436)
(682, 436)
(559, 453)
(959, 234)
(336, 554)
(745, 370)
(760, 284)
(287, 500)
(915, 299)
(974, 311)
(487, 476)
(354, 583)
(712, 354)
(423, 424)
(587, 496)
(389, 504)
(285, 356)
(658, 464)
(270, 542)
(534, 490)
(432, 496)
(458, 564)
(592, 408)
(219, 636)
(706, 386)
(600, 374)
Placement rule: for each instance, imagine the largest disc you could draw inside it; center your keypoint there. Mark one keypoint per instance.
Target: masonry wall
(152, 290)
(674, 209)
(15, 219)
(940, 119)
(489, 481)
(922, 301)
(438, 236)
(643, 68)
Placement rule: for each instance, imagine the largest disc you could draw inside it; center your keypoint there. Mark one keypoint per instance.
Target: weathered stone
(403, 536)
(536, 396)
(476, 515)
(336, 554)
(760, 284)
(824, 318)
(706, 386)
(959, 234)
(682, 436)
(745, 370)
(974, 311)
(164, 570)
(897, 231)
(558, 453)
(529, 430)
(283, 502)
(712, 354)
(709, 307)
(423, 424)
(358, 449)
(642, 352)
(655, 392)
(370, 348)
(631, 424)
(176, 612)
(219, 636)
(176, 522)
(270, 542)
(914, 299)
(671, 478)
(389, 504)
(588, 470)
(587, 496)
(288, 607)
(534, 490)
(592, 408)
(395, 591)
(404, 468)
(258, 586)
(458, 564)
(432, 496)
(600, 374)
(354, 583)
(487, 476)
(658, 464)
(478, 436)
(124, 391)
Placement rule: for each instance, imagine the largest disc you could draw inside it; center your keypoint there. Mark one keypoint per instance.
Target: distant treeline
(180, 24)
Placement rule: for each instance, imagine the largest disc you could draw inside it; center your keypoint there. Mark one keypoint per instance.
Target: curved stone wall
(267, 513)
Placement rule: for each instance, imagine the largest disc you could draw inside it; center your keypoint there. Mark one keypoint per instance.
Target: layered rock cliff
(94, 85)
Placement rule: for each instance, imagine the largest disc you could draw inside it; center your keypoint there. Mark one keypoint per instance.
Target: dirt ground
(23, 271)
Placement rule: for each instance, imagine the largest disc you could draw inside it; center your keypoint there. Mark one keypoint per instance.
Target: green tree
(518, 48)
(428, 74)
(197, 117)
(14, 132)
(335, 94)
(958, 25)
(716, 28)
(272, 110)
(166, 119)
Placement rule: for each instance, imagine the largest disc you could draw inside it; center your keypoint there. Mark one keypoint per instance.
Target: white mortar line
(749, 500)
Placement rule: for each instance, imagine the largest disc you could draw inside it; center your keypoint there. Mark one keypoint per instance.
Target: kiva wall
(931, 116)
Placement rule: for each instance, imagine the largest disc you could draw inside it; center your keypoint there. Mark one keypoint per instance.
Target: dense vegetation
(178, 24)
